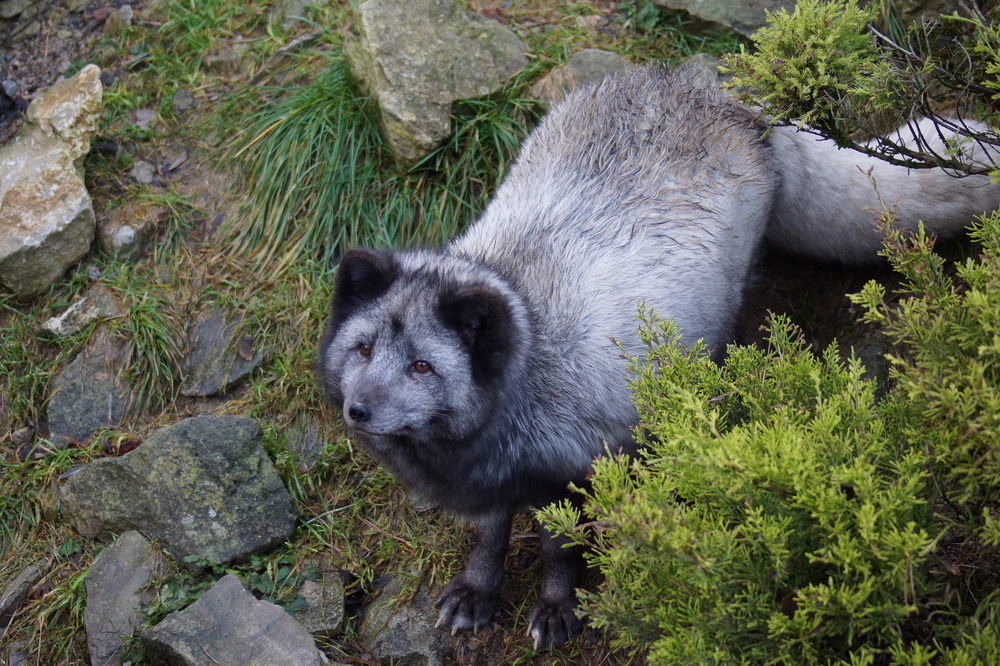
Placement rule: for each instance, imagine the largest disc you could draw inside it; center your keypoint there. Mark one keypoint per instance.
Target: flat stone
(403, 632)
(227, 625)
(119, 586)
(215, 361)
(89, 393)
(16, 593)
(323, 614)
(94, 304)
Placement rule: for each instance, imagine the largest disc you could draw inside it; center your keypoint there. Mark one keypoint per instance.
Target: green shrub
(783, 515)
(823, 68)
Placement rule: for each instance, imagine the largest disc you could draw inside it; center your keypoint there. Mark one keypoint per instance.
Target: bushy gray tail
(830, 198)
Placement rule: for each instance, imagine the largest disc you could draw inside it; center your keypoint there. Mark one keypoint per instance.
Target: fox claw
(552, 623)
(464, 606)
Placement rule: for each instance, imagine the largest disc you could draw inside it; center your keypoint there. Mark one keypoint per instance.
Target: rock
(215, 361)
(183, 100)
(18, 655)
(583, 68)
(94, 304)
(323, 614)
(119, 586)
(155, 10)
(415, 58)
(89, 393)
(46, 217)
(227, 625)
(304, 443)
(287, 13)
(707, 66)
(403, 632)
(143, 172)
(125, 232)
(231, 58)
(12, 8)
(143, 118)
(119, 21)
(203, 486)
(915, 10)
(26, 31)
(16, 593)
(740, 15)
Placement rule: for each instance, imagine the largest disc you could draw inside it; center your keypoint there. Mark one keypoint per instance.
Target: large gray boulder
(203, 486)
(228, 626)
(47, 221)
(415, 58)
(120, 584)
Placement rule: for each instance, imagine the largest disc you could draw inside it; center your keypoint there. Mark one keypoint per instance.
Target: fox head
(419, 345)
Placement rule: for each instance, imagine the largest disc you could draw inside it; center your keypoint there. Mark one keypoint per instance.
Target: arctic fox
(486, 376)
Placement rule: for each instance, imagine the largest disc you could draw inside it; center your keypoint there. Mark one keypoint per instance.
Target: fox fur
(487, 376)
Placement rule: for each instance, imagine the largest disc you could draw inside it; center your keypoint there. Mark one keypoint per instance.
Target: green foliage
(811, 64)
(823, 68)
(947, 395)
(152, 333)
(773, 520)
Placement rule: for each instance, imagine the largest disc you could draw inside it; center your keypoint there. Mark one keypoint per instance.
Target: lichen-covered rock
(46, 218)
(416, 57)
(323, 611)
(227, 625)
(203, 486)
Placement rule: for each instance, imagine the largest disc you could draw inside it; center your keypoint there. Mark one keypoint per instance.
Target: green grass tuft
(319, 180)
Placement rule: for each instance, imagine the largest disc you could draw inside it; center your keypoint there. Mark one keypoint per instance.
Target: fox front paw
(552, 622)
(463, 605)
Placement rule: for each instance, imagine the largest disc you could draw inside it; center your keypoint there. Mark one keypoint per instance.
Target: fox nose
(359, 412)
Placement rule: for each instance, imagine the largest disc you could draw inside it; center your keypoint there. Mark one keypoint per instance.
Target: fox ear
(363, 276)
(483, 319)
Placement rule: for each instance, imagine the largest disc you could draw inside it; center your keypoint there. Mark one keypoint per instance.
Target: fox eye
(421, 366)
(365, 349)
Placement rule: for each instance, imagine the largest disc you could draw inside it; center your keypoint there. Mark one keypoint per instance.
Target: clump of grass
(311, 162)
(152, 331)
(318, 180)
